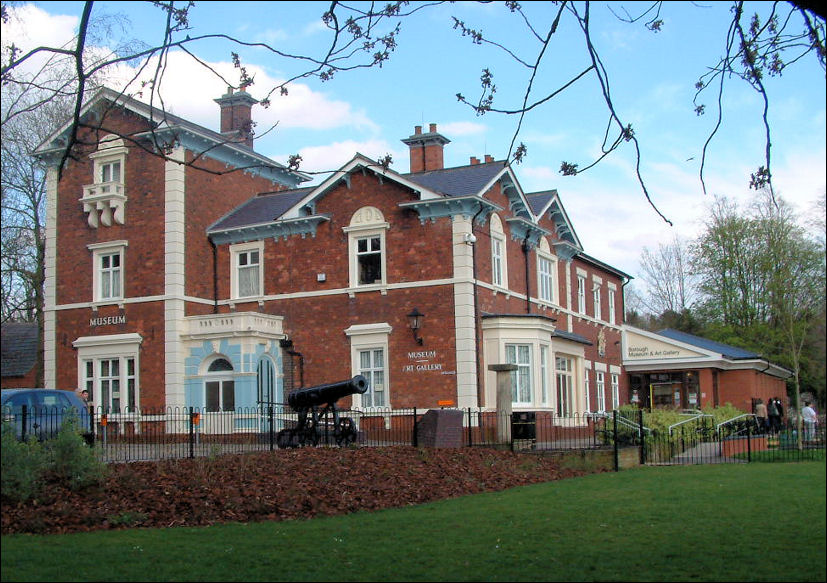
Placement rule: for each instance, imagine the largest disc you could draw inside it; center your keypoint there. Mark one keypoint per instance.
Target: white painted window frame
(370, 337)
(366, 222)
(99, 251)
(236, 251)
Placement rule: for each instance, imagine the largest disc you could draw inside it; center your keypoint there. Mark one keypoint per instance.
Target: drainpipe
(214, 276)
(287, 345)
(526, 249)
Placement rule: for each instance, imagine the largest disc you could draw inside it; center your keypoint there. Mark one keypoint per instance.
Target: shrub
(28, 465)
(70, 460)
(21, 474)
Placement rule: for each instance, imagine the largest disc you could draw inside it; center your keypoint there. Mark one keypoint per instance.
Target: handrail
(693, 418)
(623, 420)
(718, 427)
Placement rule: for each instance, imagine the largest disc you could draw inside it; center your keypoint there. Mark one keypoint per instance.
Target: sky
(652, 78)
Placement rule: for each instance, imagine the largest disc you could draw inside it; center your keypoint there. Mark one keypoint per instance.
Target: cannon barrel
(327, 394)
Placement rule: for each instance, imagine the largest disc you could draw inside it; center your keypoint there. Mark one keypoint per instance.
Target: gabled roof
(264, 208)
(540, 201)
(674, 350)
(732, 352)
(460, 181)
(193, 136)
(548, 201)
(20, 343)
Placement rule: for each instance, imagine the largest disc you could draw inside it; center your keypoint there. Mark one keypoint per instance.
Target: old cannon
(318, 415)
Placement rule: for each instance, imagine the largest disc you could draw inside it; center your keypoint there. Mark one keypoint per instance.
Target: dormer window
(105, 199)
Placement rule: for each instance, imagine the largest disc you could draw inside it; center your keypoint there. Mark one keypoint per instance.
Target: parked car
(41, 412)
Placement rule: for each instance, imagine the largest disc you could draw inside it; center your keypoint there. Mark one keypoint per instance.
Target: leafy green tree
(763, 280)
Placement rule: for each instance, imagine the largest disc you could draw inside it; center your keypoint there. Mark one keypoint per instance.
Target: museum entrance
(673, 390)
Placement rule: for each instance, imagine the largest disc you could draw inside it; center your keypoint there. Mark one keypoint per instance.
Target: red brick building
(223, 283)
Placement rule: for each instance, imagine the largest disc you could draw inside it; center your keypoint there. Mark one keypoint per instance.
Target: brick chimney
(426, 149)
(236, 116)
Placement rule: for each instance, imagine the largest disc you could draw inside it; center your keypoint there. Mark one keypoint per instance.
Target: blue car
(41, 412)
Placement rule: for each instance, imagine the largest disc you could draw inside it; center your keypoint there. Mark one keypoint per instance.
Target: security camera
(469, 238)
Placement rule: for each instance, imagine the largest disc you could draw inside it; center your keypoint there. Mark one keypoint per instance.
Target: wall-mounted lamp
(415, 323)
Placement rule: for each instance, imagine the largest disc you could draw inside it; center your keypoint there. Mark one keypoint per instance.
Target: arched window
(366, 247)
(219, 387)
(266, 380)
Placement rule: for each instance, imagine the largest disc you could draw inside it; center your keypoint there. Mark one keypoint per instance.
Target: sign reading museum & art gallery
(421, 361)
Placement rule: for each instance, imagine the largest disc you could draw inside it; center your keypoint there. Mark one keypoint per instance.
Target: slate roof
(539, 200)
(460, 181)
(260, 209)
(19, 348)
(731, 352)
(572, 336)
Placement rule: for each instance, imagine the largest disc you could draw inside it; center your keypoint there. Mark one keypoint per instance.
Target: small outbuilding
(20, 343)
(670, 369)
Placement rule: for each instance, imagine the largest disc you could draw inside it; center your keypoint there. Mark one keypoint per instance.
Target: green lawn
(750, 522)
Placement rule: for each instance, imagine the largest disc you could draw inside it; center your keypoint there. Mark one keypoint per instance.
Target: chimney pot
(426, 149)
(236, 116)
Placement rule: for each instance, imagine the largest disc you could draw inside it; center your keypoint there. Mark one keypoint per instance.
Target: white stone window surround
(597, 282)
(238, 251)
(105, 199)
(581, 290)
(110, 346)
(547, 274)
(99, 274)
(366, 223)
(370, 337)
(499, 264)
(587, 367)
(522, 388)
(612, 304)
(601, 369)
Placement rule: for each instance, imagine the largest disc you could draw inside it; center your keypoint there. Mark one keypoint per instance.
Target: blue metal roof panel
(726, 350)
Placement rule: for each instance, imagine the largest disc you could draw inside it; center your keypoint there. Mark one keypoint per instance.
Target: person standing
(761, 415)
(774, 415)
(808, 415)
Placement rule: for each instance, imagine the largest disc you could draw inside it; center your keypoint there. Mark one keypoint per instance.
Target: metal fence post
(192, 433)
(749, 442)
(614, 430)
(270, 425)
(415, 436)
(25, 413)
(642, 437)
(470, 431)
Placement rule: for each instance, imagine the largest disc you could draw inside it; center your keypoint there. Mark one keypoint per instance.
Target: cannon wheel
(307, 433)
(287, 438)
(346, 432)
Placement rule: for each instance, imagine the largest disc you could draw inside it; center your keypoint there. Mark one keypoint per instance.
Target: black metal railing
(188, 432)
